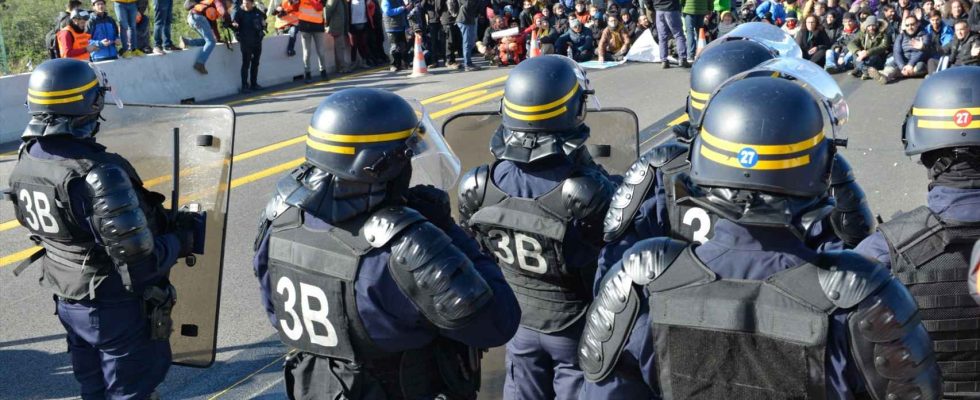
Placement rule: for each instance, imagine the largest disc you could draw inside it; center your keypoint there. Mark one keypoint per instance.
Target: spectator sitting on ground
(546, 14)
(727, 23)
(965, 47)
(578, 43)
(909, 56)
(642, 25)
(832, 27)
(546, 35)
(710, 25)
(560, 19)
(863, 14)
(488, 45)
(526, 18)
(870, 47)
(834, 6)
(791, 26)
(614, 40)
(626, 19)
(839, 57)
(925, 10)
(105, 33)
(813, 40)
(510, 49)
(955, 10)
(73, 40)
(820, 10)
(858, 5)
(596, 19)
(746, 13)
(582, 12)
(892, 22)
(939, 33)
(904, 8)
(776, 10)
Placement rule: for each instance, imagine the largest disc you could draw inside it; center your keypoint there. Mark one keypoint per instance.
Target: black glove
(432, 203)
(190, 230)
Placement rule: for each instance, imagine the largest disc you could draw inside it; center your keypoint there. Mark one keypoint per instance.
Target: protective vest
(527, 236)
(79, 42)
(207, 9)
(308, 13)
(741, 339)
(395, 23)
(287, 19)
(931, 257)
(312, 275)
(73, 264)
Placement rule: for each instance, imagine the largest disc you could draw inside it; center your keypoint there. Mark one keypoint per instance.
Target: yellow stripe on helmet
(949, 125)
(67, 92)
(699, 106)
(731, 161)
(942, 112)
(340, 138)
(329, 148)
(65, 100)
(535, 117)
(542, 107)
(773, 149)
(700, 96)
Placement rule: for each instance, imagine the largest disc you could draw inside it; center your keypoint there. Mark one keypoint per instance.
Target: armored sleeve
(472, 190)
(116, 215)
(434, 274)
(888, 342)
(637, 182)
(852, 218)
(587, 198)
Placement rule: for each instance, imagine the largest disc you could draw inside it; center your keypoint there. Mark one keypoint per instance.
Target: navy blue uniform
(948, 203)
(108, 337)
(391, 318)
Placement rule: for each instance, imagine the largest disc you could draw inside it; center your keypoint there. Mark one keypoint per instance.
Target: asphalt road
(33, 361)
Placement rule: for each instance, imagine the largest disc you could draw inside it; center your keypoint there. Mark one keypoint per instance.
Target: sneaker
(865, 77)
(137, 53)
(392, 69)
(200, 68)
(665, 64)
(323, 74)
(882, 80)
(831, 69)
(472, 67)
(307, 78)
(125, 54)
(245, 90)
(171, 48)
(873, 73)
(856, 73)
(256, 87)
(158, 50)
(685, 64)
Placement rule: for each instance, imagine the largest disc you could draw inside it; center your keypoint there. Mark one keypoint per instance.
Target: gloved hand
(432, 203)
(191, 227)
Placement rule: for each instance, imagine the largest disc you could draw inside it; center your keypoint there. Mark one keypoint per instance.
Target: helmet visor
(766, 34)
(109, 91)
(433, 161)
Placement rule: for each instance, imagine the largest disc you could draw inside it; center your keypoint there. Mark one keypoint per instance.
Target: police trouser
(398, 50)
(111, 352)
(544, 365)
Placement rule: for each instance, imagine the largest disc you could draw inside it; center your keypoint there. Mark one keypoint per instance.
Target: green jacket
(697, 7)
(877, 45)
(722, 6)
(336, 15)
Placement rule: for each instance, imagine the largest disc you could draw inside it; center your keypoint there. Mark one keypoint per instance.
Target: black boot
(307, 78)
(323, 74)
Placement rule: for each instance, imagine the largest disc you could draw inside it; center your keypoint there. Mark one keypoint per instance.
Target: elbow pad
(472, 190)
(116, 214)
(852, 219)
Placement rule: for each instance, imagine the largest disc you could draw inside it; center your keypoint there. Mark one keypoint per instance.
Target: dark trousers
(669, 24)
(359, 38)
(163, 18)
(398, 50)
(818, 58)
(437, 42)
(877, 62)
(291, 44)
(250, 63)
(453, 38)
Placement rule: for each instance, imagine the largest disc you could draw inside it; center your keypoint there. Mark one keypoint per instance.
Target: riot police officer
(381, 293)
(539, 209)
(107, 246)
(928, 248)
(754, 312)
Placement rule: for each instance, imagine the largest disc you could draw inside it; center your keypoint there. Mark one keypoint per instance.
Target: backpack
(51, 38)
(189, 4)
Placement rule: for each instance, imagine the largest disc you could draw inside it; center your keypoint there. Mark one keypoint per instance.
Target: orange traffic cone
(535, 47)
(701, 43)
(418, 67)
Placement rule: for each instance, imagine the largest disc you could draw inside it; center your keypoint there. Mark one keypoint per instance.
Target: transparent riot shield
(144, 135)
(769, 35)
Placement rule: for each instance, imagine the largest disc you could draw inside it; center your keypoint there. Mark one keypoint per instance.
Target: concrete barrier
(170, 78)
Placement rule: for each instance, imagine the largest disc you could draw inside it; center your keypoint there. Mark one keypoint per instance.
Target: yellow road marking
(478, 100)
(680, 119)
(464, 96)
(249, 376)
(305, 86)
(18, 256)
(444, 96)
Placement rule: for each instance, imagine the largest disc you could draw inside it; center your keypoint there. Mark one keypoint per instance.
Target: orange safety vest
(79, 42)
(308, 13)
(286, 20)
(207, 9)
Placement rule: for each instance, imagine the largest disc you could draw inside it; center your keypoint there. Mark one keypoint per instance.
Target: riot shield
(769, 35)
(144, 135)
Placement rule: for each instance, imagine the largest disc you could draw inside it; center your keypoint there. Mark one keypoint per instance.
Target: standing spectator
(163, 19)
(965, 47)
(526, 18)
(614, 40)
(126, 13)
(203, 17)
(466, 12)
(773, 10)
(60, 22)
(359, 33)
(839, 57)
(727, 23)
(870, 47)
(669, 23)
(433, 28)
(908, 58)
(73, 40)
(104, 31)
(450, 34)
(973, 17)
(560, 19)
(813, 40)
(142, 28)
(578, 43)
(286, 22)
(310, 27)
(249, 24)
(336, 13)
(395, 14)
(694, 12)
(377, 38)
(955, 10)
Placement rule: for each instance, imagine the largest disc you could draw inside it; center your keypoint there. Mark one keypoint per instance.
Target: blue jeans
(203, 27)
(163, 19)
(469, 40)
(832, 60)
(692, 25)
(126, 14)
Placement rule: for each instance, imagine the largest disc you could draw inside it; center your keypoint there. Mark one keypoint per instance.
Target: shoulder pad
(387, 222)
(649, 258)
(909, 227)
(274, 208)
(852, 219)
(108, 178)
(892, 348)
(637, 181)
(609, 321)
(847, 278)
(472, 190)
(437, 277)
(587, 193)
(841, 171)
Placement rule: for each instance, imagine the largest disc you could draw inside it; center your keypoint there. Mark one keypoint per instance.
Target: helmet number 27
(962, 118)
